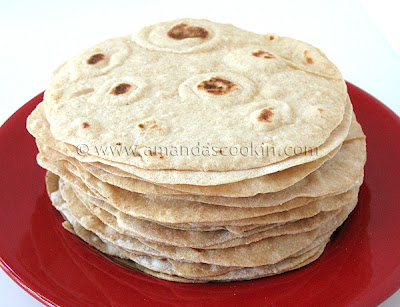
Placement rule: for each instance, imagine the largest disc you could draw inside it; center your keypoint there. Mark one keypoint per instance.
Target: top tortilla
(193, 83)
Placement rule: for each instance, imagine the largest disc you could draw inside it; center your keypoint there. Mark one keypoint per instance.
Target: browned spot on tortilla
(119, 144)
(308, 59)
(150, 126)
(271, 37)
(183, 31)
(263, 54)
(265, 115)
(121, 89)
(95, 58)
(321, 110)
(152, 153)
(85, 125)
(161, 157)
(217, 86)
(220, 151)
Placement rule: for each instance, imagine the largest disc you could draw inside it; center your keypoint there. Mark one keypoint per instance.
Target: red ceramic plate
(361, 266)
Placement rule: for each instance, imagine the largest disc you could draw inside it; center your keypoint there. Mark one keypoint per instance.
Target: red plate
(361, 266)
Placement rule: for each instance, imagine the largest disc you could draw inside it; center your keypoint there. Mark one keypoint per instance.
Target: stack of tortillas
(197, 151)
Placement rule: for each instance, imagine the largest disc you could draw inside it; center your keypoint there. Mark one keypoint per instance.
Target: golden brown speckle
(265, 115)
(263, 54)
(95, 58)
(121, 89)
(182, 31)
(150, 126)
(85, 125)
(308, 59)
(217, 86)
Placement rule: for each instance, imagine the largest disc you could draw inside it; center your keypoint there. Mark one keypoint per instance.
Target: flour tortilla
(249, 187)
(84, 220)
(215, 215)
(265, 271)
(177, 266)
(80, 215)
(163, 211)
(254, 254)
(39, 127)
(211, 178)
(338, 176)
(165, 265)
(245, 188)
(215, 239)
(176, 107)
(185, 212)
(341, 173)
(154, 232)
(177, 263)
(247, 255)
(201, 271)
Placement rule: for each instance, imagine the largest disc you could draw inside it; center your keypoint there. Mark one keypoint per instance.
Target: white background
(361, 37)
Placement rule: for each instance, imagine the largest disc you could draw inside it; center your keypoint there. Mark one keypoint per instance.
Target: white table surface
(361, 37)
